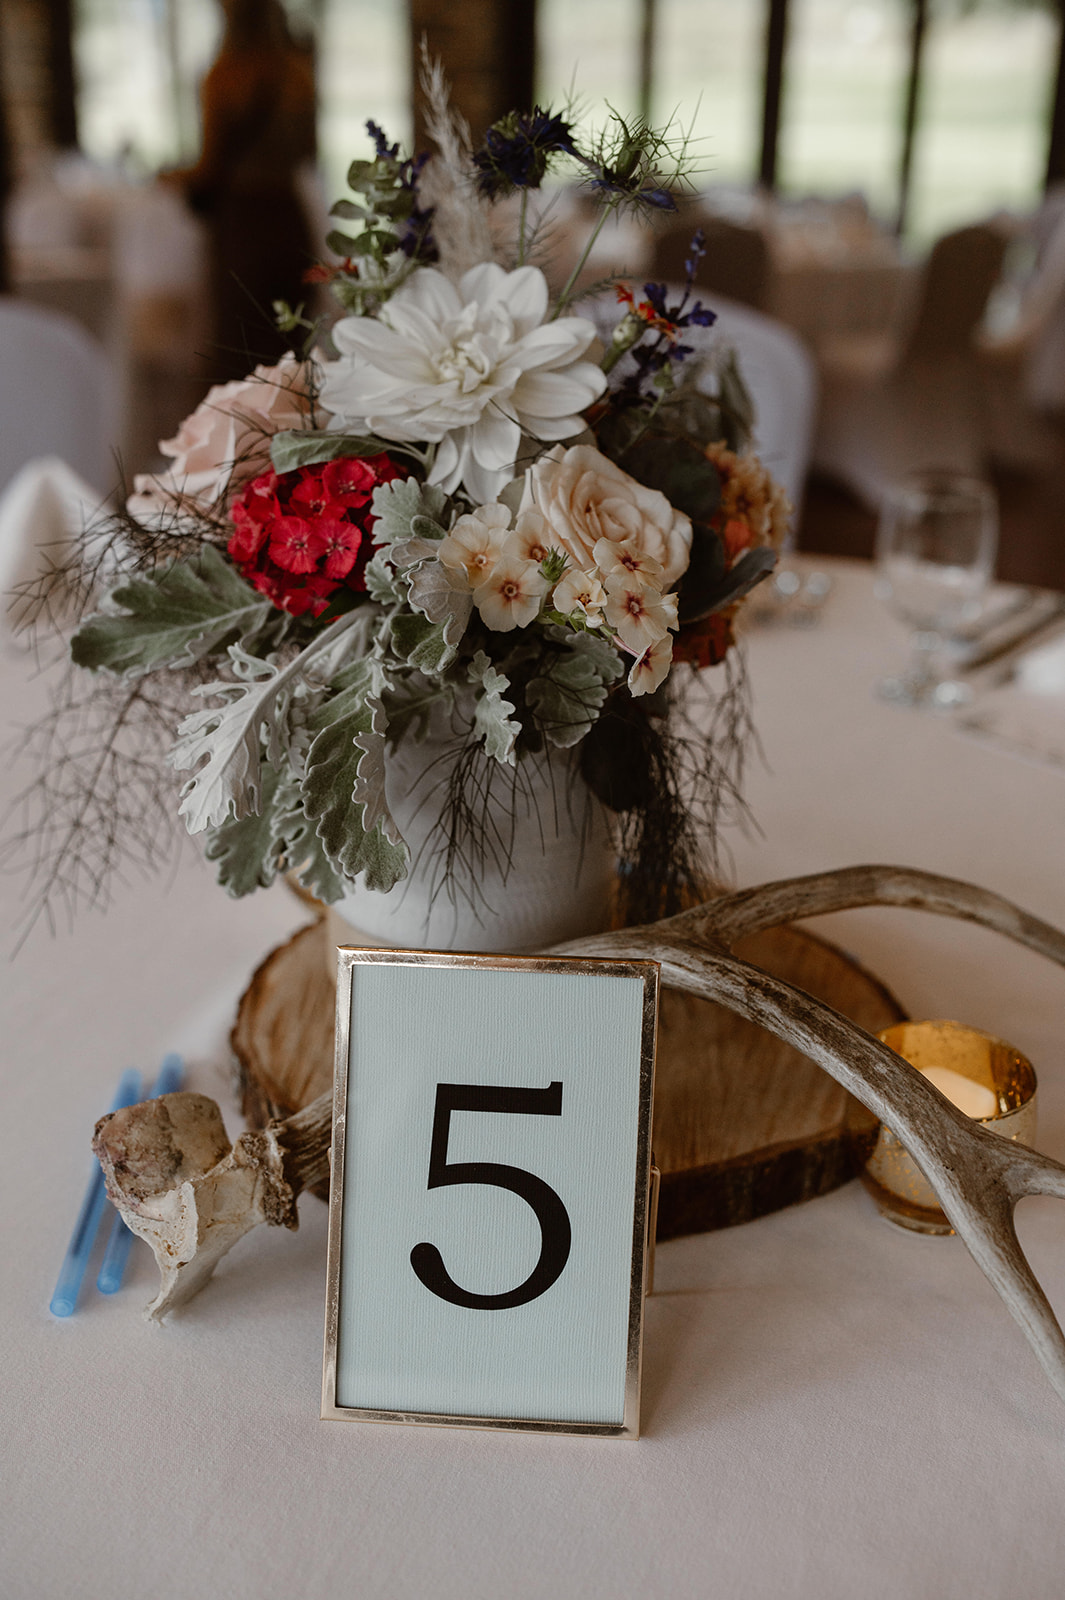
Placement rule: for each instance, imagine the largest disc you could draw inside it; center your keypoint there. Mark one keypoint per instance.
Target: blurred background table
(831, 1406)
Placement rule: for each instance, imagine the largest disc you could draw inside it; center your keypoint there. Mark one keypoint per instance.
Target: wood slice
(743, 1124)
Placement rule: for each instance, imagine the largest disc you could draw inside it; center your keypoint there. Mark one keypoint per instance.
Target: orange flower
(706, 643)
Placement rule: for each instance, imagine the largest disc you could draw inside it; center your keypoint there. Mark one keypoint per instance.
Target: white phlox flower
(475, 542)
(640, 615)
(511, 597)
(468, 367)
(582, 592)
(629, 557)
(531, 538)
(652, 668)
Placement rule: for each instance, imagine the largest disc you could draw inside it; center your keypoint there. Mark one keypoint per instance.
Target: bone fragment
(180, 1185)
(157, 1162)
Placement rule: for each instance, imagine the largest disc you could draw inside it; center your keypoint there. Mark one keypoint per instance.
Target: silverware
(1042, 615)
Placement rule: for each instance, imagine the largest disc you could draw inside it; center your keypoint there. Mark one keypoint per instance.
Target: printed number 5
(551, 1214)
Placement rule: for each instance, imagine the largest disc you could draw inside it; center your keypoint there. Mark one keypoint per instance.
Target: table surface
(832, 1408)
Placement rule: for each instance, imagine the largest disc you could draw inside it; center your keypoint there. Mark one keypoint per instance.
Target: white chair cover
(57, 395)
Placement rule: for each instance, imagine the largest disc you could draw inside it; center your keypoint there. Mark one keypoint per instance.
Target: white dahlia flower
(468, 367)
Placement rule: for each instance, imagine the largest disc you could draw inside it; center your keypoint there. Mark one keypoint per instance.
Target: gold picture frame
(353, 1246)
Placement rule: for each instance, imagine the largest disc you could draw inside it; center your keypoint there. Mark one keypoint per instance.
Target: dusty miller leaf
(353, 842)
(172, 620)
(381, 583)
(491, 717)
(422, 644)
(225, 743)
(248, 849)
(444, 597)
(397, 504)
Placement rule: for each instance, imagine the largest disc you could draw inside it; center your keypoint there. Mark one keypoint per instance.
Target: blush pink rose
(225, 442)
(583, 497)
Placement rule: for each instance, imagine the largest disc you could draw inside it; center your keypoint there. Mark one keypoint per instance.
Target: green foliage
(567, 695)
(343, 787)
(193, 608)
(679, 469)
(307, 448)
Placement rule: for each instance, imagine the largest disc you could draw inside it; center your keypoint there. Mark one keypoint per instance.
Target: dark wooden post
(62, 87)
(1056, 142)
(487, 49)
(776, 39)
(918, 27)
(648, 30)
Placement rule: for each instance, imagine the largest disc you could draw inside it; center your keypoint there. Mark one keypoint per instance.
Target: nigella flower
(517, 150)
(616, 183)
(466, 367)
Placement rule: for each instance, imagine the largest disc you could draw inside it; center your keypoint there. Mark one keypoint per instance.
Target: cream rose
(583, 497)
(225, 442)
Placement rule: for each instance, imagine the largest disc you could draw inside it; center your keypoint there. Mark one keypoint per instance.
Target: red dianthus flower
(299, 536)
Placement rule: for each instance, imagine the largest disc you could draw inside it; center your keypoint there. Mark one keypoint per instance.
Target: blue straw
(119, 1240)
(76, 1259)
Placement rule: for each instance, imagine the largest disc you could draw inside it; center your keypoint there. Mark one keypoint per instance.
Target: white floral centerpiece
(457, 514)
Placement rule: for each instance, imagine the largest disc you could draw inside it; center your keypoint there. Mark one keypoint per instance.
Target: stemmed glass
(935, 556)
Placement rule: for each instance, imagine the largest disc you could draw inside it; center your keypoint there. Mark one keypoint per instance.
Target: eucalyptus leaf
(341, 244)
(749, 570)
(309, 448)
(188, 611)
(349, 211)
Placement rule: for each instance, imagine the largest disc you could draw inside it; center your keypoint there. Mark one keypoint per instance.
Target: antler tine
(771, 904)
(977, 1175)
(990, 1236)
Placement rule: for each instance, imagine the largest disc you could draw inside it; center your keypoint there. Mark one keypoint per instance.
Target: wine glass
(935, 556)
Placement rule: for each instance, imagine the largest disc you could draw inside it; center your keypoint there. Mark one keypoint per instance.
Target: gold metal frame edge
(349, 956)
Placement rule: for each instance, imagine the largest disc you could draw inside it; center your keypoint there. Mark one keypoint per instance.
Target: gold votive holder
(988, 1071)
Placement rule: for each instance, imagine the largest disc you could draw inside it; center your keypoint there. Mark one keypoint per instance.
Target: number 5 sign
(490, 1191)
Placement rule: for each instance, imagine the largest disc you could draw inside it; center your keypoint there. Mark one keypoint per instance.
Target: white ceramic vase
(557, 883)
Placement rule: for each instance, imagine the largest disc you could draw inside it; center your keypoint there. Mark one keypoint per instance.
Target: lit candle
(975, 1099)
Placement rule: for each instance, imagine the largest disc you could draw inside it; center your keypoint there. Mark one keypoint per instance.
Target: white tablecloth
(832, 1409)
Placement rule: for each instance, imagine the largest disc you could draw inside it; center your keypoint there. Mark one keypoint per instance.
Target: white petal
(429, 291)
(556, 342)
(447, 467)
(495, 439)
(540, 395)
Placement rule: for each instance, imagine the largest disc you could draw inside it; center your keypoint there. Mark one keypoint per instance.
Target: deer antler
(977, 1176)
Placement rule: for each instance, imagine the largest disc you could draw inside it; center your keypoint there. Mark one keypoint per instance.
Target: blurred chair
(1023, 360)
(56, 395)
(896, 404)
(782, 378)
(736, 263)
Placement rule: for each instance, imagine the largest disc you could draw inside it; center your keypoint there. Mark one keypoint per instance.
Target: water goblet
(935, 556)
